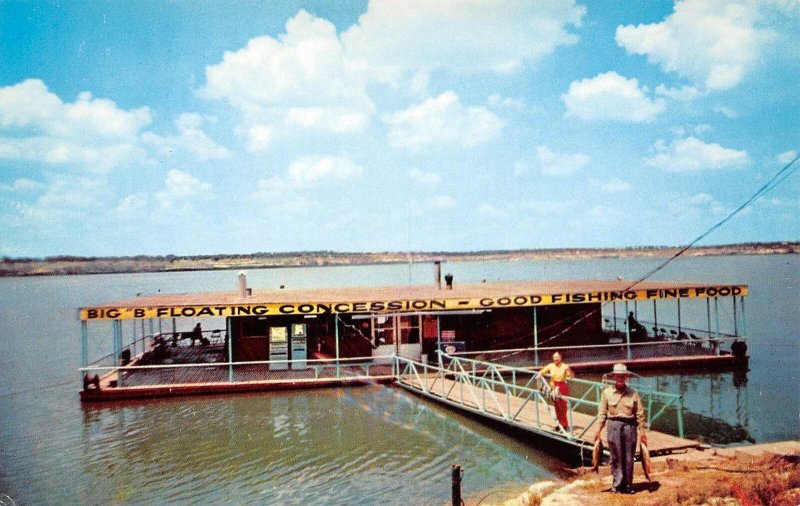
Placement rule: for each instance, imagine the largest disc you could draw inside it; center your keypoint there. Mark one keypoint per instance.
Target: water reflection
(716, 405)
(318, 447)
(330, 446)
(52, 450)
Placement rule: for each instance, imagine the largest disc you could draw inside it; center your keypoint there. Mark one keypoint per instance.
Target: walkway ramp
(517, 398)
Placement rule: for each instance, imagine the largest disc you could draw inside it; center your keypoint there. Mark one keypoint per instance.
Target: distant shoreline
(65, 265)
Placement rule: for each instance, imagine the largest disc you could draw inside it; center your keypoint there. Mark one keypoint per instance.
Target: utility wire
(788, 170)
(774, 181)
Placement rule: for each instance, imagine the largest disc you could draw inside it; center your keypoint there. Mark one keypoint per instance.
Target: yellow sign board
(405, 306)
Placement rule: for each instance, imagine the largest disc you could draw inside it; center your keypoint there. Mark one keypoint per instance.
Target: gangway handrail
(408, 367)
(488, 377)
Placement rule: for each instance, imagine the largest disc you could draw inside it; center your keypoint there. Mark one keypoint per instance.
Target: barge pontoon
(256, 339)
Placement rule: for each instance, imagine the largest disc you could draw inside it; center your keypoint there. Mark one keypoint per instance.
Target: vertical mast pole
(627, 330)
(655, 317)
(536, 335)
(117, 330)
(228, 329)
(744, 320)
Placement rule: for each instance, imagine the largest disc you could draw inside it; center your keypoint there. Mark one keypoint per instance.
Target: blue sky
(177, 127)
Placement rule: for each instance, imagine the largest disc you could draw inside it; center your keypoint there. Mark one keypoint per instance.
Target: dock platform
(199, 370)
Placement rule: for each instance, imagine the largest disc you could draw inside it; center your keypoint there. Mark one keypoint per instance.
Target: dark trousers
(622, 436)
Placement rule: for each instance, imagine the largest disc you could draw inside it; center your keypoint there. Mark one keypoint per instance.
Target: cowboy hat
(621, 370)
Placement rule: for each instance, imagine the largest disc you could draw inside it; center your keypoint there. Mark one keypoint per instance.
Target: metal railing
(619, 351)
(317, 370)
(669, 332)
(503, 392)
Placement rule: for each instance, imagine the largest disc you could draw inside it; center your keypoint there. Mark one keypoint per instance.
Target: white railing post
(84, 346)
(228, 328)
(744, 319)
(134, 336)
(117, 331)
(535, 336)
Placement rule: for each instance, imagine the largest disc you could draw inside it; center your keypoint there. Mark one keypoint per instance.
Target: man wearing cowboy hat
(622, 408)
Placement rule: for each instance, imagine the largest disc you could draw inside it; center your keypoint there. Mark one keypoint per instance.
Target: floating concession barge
(253, 339)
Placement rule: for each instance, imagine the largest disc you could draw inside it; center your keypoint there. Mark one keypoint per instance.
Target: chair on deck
(215, 337)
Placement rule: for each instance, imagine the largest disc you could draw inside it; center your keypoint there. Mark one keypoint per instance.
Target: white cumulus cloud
(91, 134)
(191, 139)
(560, 164)
(259, 137)
(442, 120)
(23, 185)
(521, 168)
(179, 189)
(65, 196)
(132, 204)
(612, 185)
(713, 42)
(693, 155)
(610, 96)
(682, 94)
(30, 105)
(305, 172)
(303, 76)
(466, 35)
(312, 169)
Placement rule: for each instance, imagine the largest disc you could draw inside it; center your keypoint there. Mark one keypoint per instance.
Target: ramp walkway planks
(518, 405)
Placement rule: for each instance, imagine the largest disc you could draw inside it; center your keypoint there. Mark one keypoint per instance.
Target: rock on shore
(750, 475)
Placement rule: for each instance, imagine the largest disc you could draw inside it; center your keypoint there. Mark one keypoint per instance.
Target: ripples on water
(374, 445)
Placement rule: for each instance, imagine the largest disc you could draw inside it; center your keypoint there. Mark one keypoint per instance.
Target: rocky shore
(61, 265)
(767, 474)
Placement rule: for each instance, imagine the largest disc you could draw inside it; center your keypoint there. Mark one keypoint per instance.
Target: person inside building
(197, 334)
(558, 372)
(738, 348)
(621, 409)
(637, 331)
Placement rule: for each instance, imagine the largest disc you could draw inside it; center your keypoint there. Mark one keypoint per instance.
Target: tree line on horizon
(791, 247)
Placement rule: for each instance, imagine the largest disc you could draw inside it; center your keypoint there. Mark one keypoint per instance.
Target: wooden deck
(676, 354)
(222, 388)
(210, 374)
(536, 417)
(207, 372)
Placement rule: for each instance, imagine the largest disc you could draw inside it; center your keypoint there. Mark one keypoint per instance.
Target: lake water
(371, 445)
